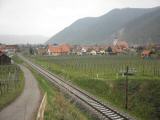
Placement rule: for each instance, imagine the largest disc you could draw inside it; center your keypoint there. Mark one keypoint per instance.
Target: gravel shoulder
(26, 105)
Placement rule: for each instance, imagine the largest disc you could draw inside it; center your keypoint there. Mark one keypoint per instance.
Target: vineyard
(11, 83)
(103, 76)
(103, 67)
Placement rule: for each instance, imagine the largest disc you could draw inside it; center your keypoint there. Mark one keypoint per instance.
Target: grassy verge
(143, 96)
(58, 107)
(16, 59)
(12, 94)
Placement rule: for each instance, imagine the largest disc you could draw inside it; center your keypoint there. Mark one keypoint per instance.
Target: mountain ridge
(99, 30)
(149, 27)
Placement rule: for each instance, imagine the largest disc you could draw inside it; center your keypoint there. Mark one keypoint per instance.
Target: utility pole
(126, 89)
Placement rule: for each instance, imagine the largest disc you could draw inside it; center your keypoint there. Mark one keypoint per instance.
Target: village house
(93, 52)
(97, 49)
(41, 51)
(120, 46)
(11, 48)
(56, 50)
(83, 50)
(102, 52)
(79, 53)
(132, 51)
(117, 50)
(146, 54)
(79, 49)
(76, 49)
(4, 59)
(89, 49)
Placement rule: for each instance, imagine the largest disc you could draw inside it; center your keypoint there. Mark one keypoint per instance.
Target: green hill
(143, 30)
(102, 29)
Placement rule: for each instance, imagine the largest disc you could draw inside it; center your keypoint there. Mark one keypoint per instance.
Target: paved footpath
(26, 105)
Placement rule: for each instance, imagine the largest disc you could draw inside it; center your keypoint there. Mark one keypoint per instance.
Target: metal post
(126, 89)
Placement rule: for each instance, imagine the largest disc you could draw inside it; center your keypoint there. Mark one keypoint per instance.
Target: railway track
(105, 111)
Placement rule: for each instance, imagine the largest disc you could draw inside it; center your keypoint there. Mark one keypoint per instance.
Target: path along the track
(26, 105)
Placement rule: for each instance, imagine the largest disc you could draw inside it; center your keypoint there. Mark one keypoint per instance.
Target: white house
(83, 50)
(102, 51)
(93, 52)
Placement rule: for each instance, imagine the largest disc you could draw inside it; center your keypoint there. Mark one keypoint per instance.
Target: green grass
(58, 107)
(8, 97)
(17, 60)
(99, 76)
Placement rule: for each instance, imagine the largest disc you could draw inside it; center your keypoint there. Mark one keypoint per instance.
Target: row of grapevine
(9, 78)
(105, 67)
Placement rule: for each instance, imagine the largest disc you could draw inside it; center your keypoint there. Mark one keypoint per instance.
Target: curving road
(26, 105)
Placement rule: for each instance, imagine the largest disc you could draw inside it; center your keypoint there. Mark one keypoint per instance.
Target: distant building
(146, 54)
(11, 48)
(121, 45)
(93, 52)
(83, 50)
(41, 51)
(89, 49)
(56, 50)
(76, 49)
(4, 59)
(102, 52)
(79, 53)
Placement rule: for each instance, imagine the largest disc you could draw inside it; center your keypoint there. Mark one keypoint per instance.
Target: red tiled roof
(146, 52)
(64, 48)
(54, 49)
(117, 50)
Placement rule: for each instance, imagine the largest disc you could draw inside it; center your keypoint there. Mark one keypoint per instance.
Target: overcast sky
(47, 17)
